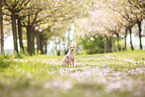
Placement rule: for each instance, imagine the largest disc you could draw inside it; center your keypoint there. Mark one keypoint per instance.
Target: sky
(8, 42)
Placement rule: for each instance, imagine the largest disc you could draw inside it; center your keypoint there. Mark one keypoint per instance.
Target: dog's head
(71, 47)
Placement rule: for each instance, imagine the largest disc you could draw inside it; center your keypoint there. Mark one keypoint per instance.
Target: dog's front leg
(73, 62)
(69, 62)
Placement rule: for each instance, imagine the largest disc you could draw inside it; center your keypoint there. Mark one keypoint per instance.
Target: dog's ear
(73, 44)
(68, 44)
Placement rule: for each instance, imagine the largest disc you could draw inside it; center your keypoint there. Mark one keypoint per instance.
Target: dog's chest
(71, 56)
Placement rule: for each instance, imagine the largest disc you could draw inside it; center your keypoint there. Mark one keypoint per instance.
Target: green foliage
(92, 44)
(9, 55)
(22, 55)
(121, 42)
(4, 64)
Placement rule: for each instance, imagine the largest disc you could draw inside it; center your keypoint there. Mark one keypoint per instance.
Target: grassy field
(120, 74)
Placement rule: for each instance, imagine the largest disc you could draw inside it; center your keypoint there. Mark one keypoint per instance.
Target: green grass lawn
(120, 74)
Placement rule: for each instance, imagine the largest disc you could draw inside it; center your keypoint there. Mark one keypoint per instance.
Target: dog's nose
(72, 50)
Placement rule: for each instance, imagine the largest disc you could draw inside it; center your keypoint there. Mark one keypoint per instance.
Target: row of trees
(40, 20)
(36, 20)
(113, 18)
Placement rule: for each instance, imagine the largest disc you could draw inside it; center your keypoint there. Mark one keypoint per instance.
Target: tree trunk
(29, 40)
(45, 46)
(58, 50)
(125, 38)
(130, 32)
(38, 41)
(41, 44)
(112, 43)
(33, 36)
(119, 46)
(139, 33)
(20, 34)
(29, 36)
(107, 47)
(14, 32)
(1, 30)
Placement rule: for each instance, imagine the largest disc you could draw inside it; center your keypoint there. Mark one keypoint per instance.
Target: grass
(97, 75)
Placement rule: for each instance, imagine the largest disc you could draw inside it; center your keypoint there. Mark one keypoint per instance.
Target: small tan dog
(69, 58)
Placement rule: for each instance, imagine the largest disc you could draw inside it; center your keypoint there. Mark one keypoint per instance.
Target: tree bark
(119, 47)
(14, 31)
(38, 41)
(107, 47)
(20, 34)
(41, 44)
(29, 36)
(112, 43)
(139, 33)
(58, 50)
(125, 38)
(29, 40)
(45, 46)
(130, 32)
(1, 29)
(33, 36)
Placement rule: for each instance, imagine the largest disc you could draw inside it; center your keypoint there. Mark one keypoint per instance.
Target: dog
(69, 58)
